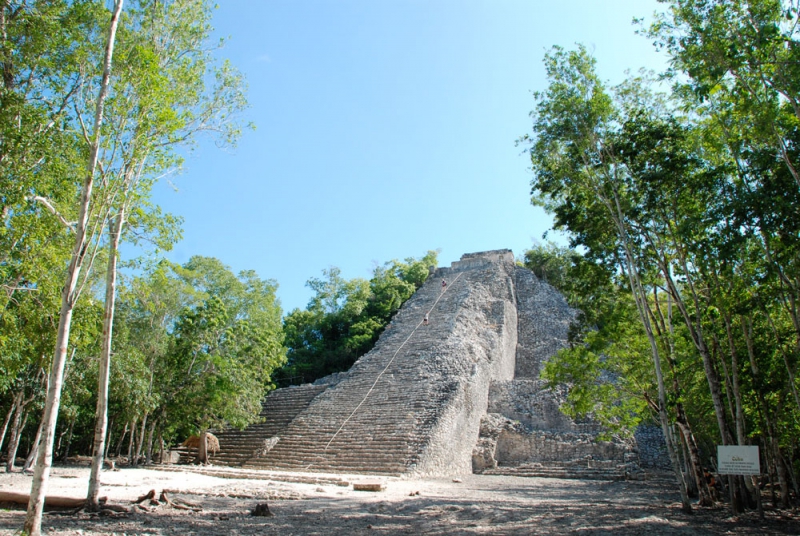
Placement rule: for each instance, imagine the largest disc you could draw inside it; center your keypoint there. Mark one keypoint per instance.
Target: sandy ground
(476, 505)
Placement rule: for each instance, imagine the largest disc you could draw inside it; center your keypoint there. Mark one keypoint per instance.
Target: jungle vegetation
(680, 195)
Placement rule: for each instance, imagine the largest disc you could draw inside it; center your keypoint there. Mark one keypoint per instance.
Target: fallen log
(176, 504)
(369, 485)
(49, 501)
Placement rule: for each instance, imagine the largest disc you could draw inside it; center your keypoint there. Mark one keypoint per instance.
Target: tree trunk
(666, 330)
(16, 434)
(741, 433)
(640, 296)
(773, 450)
(149, 451)
(712, 377)
(772, 474)
(121, 441)
(101, 415)
(793, 478)
(202, 448)
(704, 493)
(69, 295)
(783, 479)
(738, 414)
(641, 302)
(108, 438)
(34, 450)
(68, 443)
(691, 481)
(7, 420)
(131, 440)
(140, 439)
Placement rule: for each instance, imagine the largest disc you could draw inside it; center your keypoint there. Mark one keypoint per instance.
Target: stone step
(279, 408)
(558, 473)
(574, 469)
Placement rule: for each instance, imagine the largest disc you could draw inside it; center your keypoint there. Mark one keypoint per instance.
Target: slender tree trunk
(717, 354)
(793, 478)
(68, 443)
(691, 481)
(772, 474)
(789, 371)
(704, 493)
(640, 296)
(741, 432)
(34, 450)
(101, 422)
(772, 449)
(746, 487)
(140, 438)
(121, 441)
(131, 443)
(665, 329)
(783, 478)
(712, 377)
(108, 439)
(7, 421)
(641, 302)
(16, 435)
(33, 518)
(149, 451)
(693, 324)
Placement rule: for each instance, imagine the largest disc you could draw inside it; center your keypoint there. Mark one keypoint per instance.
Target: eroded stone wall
(544, 321)
(530, 403)
(522, 445)
(524, 425)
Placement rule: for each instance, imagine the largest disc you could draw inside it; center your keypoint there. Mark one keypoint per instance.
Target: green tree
(82, 252)
(212, 364)
(551, 263)
(581, 178)
(344, 318)
(159, 102)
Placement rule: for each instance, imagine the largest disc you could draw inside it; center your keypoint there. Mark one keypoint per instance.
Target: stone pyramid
(459, 394)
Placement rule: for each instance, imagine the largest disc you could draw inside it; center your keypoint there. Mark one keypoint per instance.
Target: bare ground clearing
(477, 505)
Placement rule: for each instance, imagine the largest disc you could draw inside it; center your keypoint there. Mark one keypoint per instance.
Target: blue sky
(385, 128)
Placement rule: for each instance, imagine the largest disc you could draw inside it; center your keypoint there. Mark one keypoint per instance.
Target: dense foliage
(344, 318)
(684, 205)
(95, 104)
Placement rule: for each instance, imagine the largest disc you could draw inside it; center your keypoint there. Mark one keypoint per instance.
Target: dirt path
(478, 505)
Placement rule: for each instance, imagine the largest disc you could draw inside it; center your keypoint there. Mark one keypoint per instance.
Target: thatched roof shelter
(212, 443)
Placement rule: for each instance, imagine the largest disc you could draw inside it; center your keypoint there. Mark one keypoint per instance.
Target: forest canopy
(682, 194)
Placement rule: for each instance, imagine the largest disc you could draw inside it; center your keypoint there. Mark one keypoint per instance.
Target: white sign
(738, 460)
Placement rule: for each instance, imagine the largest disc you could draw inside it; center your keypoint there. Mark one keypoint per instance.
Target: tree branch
(49, 206)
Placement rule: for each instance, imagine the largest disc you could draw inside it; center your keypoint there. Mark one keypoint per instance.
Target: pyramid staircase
(379, 418)
(277, 411)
